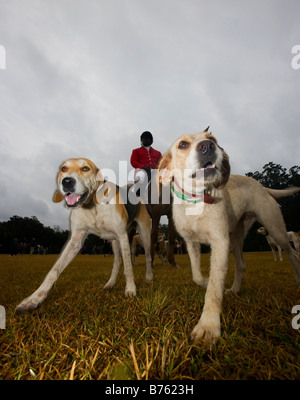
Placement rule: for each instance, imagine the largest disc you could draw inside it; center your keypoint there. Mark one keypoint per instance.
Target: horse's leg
(171, 238)
(156, 214)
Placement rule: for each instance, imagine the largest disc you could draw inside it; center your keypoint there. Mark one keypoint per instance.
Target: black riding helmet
(147, 137)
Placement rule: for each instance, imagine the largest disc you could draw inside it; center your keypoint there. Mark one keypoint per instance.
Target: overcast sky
(84, 78)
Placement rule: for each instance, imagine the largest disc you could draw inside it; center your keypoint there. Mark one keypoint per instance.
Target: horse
(159, 203)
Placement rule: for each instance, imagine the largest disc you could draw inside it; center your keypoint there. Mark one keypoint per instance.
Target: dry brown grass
(83, 332)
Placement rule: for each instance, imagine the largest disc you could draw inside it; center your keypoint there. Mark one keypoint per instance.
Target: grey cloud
(86, 78)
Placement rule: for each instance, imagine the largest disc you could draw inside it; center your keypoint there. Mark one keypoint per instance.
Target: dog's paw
(25, 306)
(130, 291)
(149, 277)
(201, 282)
(208, 332)
(109, 285)
(230, 291)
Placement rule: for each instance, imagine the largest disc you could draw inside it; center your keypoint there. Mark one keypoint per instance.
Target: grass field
(84, 332)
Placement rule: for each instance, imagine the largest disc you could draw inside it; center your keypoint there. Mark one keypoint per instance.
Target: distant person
(14, 247)
(32, 246)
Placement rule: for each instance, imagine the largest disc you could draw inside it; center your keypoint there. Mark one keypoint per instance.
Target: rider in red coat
(145, 156)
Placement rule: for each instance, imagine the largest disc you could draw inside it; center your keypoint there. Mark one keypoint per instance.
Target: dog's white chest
(99, 221)
(105, 226)
(192, 223)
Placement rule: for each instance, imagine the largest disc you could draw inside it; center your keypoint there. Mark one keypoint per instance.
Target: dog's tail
(277, 194)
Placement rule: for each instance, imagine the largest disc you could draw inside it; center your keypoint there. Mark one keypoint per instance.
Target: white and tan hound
(97, 207)
(216, 208)
(293, 238)
(161, 247)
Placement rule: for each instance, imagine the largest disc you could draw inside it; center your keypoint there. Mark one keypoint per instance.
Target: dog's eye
(85, 169)
(183, 144)
(64, 169)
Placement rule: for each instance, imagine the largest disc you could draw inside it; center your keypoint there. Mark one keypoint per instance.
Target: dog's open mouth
(208, 166)
(74, 200)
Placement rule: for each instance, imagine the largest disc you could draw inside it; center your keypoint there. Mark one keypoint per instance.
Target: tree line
(21, 231)
(23, 235)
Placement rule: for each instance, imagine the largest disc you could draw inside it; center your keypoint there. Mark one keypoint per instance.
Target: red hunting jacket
(141, 157)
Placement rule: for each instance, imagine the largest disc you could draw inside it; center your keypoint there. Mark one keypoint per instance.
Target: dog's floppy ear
(102, 192)
(100, 183)
(165, 168)
(225, 172)
(99, 176)
(58, 196)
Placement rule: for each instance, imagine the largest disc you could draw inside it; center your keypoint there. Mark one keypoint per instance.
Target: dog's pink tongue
(72, 198)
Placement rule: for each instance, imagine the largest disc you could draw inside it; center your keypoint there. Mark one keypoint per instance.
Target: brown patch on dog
(164, 168)
(105, 194)
(120, 207)
(263, 231)
(165, 161)
(211, 137)
(143, 214)
(225, 172)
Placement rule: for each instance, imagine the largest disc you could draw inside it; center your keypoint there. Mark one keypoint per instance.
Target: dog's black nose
(206, 146)
(68, 184)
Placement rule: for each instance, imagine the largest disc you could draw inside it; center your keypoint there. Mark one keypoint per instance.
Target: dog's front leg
(274, 252)
(116, 266)
(145, 234)
(130, 289)
(279, 253)
(71, 249)
(194, 251)
(209, 325)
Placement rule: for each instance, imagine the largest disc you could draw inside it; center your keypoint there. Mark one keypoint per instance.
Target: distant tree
(276, 177)
(25, 228)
